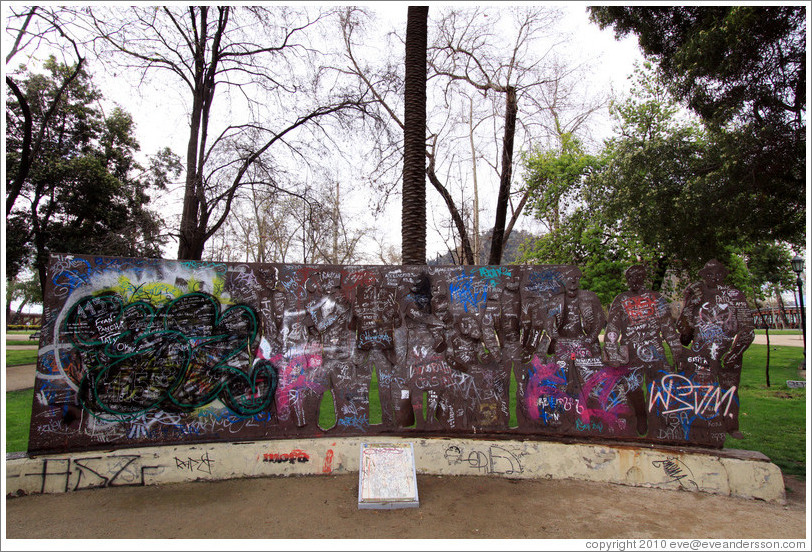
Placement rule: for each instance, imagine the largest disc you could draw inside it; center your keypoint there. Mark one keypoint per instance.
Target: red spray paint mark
(328, 462)
(295, 455)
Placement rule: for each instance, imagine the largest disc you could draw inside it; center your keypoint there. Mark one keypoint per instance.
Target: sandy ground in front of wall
(326, 507)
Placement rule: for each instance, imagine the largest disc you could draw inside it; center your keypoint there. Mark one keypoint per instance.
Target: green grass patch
(328, 415)
(375, 411)
(513, 422)
(773, 419)
(779, 332)
(327, 411)
(18, 342)
(18, 358)
(18, 419)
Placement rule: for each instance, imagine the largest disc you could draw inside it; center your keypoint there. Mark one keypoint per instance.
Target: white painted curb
(728, 472)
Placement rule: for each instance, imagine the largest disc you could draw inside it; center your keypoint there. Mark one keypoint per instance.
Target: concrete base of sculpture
(728, 472)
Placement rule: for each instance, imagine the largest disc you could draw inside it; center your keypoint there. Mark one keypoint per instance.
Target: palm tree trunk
(413, 217)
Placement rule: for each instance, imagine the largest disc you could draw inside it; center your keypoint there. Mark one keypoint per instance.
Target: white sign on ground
(387, 477)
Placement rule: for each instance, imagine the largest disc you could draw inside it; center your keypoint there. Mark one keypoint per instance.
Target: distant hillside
(509, 254)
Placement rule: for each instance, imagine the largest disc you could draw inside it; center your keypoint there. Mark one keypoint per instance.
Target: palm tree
(413, 218)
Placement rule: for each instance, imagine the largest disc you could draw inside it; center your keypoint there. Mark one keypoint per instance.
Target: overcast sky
(160, 112)
(162, 121)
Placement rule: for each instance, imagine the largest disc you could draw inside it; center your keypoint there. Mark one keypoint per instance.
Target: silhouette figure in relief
(639, 321)
(717, 324)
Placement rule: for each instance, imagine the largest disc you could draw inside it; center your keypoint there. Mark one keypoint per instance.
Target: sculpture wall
(144, 351)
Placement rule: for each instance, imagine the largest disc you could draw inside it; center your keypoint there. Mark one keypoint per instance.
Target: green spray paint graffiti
(180, 356)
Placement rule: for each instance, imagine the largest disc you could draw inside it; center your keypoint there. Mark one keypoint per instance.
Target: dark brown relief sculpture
(143, 351)
(639, 323)
(715, 322)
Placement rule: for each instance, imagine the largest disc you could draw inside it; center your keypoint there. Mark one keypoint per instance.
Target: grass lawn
(779, 332)
(17, 358)
(32, 342)
(18, 419)
(773, 420)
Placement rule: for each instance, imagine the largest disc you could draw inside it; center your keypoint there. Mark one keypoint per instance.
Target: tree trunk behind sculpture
(497, 240)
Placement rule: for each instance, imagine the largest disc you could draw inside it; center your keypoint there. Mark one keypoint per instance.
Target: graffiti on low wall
(144, 351)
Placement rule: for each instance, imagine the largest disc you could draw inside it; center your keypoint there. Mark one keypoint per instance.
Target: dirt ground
(326, 507)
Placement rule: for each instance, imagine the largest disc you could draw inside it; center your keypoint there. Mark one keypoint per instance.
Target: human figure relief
(329, 313)
(509, 333)
(717, 324)
(374, 318)
(301, 377)
(639, 321)
(424, 344)
(499, 343)
(574, 320)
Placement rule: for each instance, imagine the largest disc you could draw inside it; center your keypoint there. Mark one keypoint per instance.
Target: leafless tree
(261, 58)
(497, 81)
(272, 223)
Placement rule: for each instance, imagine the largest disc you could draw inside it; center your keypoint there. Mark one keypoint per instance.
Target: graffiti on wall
(145, 351)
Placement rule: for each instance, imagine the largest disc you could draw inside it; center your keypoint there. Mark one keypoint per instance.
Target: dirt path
(450, 507)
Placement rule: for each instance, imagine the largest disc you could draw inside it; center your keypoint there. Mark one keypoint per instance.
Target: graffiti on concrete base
(676, 470)
(495, 460)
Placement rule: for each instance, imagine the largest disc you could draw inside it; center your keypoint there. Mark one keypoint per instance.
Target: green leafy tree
(727, 62)
(553, 178)
(84, 192)
(650, 181)
(770, 274)
(673, 184)
(602, 253)
(660, 193)
(742, 69)
(28, 291)
(32, 27)
(576, 233)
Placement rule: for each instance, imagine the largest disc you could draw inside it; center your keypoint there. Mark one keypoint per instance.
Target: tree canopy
(664, 191)
(726, 62)
(742, 69)
(84, 192)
